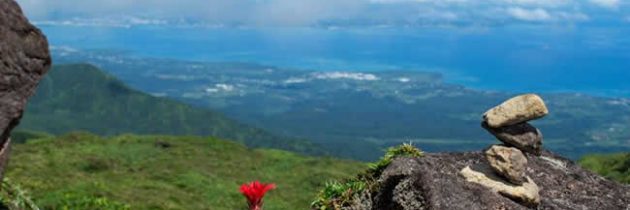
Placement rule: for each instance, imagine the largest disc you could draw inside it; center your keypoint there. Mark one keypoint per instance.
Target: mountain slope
(81, 97)
(613, 166)
(164, 172)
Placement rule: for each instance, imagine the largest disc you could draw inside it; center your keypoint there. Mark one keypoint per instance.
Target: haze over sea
(511, 58)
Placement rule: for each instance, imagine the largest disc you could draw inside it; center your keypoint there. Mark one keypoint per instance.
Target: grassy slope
(194, 173)
(82, 97)
(613, 166)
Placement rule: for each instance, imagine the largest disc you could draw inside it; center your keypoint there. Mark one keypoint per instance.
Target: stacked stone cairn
(508, 122)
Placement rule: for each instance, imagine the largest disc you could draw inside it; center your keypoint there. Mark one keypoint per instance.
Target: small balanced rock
(507, 162)
(516, 110)
(522, 136)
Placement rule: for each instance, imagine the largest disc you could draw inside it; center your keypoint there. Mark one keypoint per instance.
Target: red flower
(254, 192)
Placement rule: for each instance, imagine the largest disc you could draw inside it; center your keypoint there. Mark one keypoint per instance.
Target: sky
(498, 44)
(289, 13)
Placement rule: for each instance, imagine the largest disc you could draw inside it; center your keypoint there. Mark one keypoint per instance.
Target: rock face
(508, 162)
(516, 110)
(435, 182)
(24, 59)
(522, 136)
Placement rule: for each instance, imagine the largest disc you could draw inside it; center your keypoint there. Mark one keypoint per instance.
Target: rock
(24, 58)
(523, 136)
(516, 110)
(508, 162)
(434, 182)
(526, 193)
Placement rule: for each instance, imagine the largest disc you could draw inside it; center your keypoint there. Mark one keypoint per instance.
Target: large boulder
(435, 182)
(24, 59)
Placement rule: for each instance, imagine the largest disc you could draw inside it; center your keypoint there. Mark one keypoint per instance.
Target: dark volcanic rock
(434, 182)
(24, 58)
(523, 136)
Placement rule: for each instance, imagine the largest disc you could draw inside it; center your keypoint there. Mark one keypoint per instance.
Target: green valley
(82, 97)
(357, 114)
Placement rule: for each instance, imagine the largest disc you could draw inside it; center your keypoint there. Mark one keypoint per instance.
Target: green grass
(612, 166)
(338, 194)
(85, 171)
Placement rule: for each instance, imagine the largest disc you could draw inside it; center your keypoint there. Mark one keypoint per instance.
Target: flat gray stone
(516, 110)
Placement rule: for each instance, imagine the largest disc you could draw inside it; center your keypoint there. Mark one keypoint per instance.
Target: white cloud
(124, 22)
(311, 12)
(540, 3)
(529, 15)
(295, 80)
(611, 4)
(404, 79)
(345, 75)
(220, 88)
(573, 16)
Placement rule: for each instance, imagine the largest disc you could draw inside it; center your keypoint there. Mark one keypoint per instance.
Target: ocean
(526, 58)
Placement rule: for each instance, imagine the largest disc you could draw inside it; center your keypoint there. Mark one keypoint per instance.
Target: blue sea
(526, 58)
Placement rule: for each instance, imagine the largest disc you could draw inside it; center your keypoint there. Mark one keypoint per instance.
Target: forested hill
(82, 97)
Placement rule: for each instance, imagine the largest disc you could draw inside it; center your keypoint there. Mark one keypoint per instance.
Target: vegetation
(612, 166)
(336, 194)
(85, 171)
(14, 197)
(82, 97)
(360, 118)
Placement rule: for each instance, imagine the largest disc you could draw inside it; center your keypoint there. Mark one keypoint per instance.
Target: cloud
(315, 12)
(539, 3)
(529, 15)
(611, 4)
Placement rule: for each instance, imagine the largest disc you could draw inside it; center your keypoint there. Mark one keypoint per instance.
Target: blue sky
(331, 12)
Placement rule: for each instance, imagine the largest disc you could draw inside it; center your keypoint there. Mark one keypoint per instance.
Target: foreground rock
(24, 58)
(516, 110)
(434, 182)
(508, 162)
(522, 136)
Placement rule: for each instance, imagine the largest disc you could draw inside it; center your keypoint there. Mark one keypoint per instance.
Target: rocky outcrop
(516, 175)
(434, 182)
(24, 59)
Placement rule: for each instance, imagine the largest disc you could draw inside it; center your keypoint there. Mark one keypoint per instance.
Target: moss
(336, 194)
